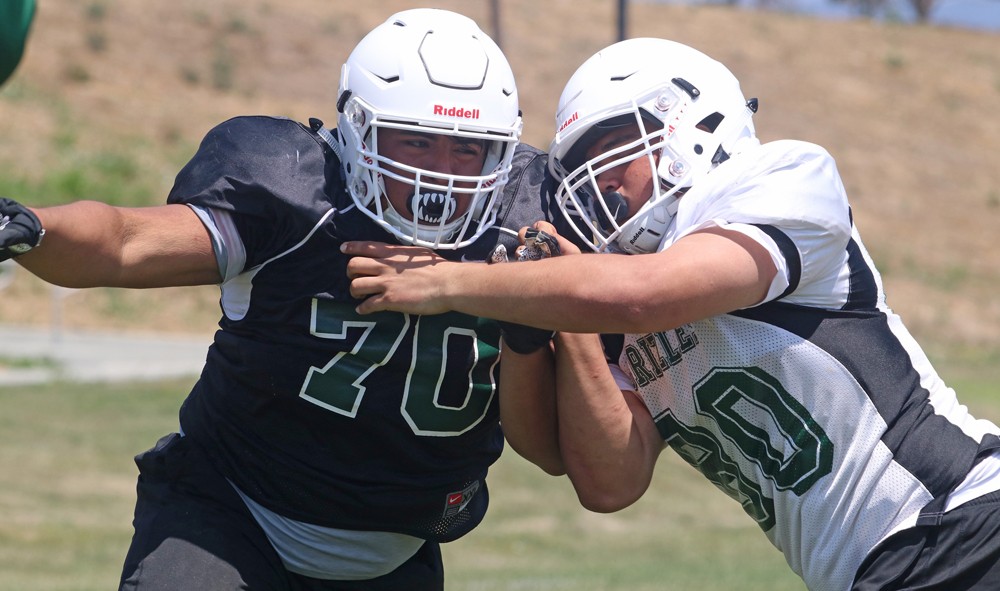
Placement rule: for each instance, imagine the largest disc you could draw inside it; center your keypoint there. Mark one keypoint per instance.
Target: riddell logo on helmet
(456, 112)
(569, 121)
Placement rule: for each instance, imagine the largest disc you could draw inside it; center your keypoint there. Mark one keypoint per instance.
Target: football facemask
(603, 218)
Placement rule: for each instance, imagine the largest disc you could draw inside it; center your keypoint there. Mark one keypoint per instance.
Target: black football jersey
(383, 422)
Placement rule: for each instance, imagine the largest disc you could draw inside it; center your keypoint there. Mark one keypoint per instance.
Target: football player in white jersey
(757, 342)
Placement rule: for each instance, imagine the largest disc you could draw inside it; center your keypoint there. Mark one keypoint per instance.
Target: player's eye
(471, 148)
(417, 142)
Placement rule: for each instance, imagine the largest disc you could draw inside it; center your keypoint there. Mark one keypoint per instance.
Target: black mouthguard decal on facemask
(431, 208)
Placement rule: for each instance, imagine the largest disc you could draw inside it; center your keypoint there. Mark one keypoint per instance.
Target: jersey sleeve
(788, 196)
(528, 194)
(623, 379)
(270, 174)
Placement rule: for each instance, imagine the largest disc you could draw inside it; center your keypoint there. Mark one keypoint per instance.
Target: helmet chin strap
(643, 233)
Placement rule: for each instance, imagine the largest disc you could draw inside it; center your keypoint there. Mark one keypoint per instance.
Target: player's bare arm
(92, 244)
(710, 272)
(608, 440)
(528, 408)
(377, 274)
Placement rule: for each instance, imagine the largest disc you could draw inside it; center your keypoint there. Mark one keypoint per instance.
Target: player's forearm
(528, 408)
(578, 293)
(574, 293)
(700, 276)
(609, 457)
(79, 244)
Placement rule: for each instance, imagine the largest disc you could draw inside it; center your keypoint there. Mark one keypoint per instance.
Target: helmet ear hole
(720, 156)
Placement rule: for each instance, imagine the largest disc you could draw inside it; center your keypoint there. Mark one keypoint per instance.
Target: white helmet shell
(692, 114)
(434, 70)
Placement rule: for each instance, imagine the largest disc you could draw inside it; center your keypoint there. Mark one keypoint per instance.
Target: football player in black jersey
(321, 449)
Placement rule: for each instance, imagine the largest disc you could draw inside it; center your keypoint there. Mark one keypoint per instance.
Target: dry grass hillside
(909, 112)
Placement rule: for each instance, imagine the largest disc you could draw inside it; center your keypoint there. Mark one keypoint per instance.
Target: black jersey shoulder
(529, 190)
(527, 198)
(251, 164)
(273, 173)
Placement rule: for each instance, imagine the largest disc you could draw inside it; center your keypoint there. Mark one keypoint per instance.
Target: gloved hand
(20, 229)
(518, 337)
(537, 245)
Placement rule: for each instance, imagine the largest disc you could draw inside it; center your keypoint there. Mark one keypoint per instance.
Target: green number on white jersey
(754, 412)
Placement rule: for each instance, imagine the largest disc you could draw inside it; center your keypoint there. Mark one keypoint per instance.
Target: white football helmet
(435, 71)
(692, 116)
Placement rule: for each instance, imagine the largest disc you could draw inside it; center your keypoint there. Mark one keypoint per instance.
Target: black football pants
(961, 553)
(193, 532)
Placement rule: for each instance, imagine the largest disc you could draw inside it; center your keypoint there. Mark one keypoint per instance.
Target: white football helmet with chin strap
(693, 117)
(432, 71)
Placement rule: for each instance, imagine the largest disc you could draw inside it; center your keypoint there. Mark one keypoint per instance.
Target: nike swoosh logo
(468, 260)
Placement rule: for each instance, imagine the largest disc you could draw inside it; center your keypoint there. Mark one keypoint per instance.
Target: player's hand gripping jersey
(381, 422)
(778, 404)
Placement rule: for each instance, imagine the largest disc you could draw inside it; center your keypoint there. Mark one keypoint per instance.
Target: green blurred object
(15, 23)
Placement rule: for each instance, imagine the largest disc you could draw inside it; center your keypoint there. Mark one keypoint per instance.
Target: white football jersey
(815, 410)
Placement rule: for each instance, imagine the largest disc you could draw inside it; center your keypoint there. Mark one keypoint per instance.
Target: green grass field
(67, 490)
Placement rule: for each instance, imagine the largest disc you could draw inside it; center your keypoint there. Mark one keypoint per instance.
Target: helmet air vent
(711, 122)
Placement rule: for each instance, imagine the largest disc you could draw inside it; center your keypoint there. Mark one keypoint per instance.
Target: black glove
(20, 230)
(518, 337)
(538, 245)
